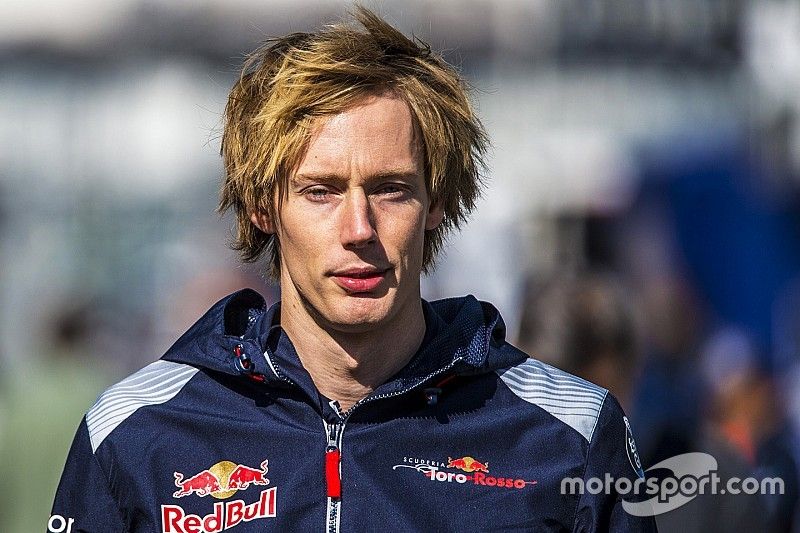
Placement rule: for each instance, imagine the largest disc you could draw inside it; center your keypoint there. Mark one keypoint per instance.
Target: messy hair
(291, 81)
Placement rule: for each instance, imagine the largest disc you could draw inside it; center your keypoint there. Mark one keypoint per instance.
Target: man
(352, 404)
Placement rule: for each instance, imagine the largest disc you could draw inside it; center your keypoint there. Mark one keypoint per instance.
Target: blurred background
(640, 226)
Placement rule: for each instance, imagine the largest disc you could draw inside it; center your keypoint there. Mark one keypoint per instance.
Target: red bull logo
(223, 517)
(468, 464)
(221, 481)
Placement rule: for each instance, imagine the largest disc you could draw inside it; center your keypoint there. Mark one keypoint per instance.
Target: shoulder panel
(156, 383)
(573, 400)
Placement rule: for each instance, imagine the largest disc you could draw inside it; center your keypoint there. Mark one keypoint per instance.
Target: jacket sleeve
(83, 499)
(611, 457)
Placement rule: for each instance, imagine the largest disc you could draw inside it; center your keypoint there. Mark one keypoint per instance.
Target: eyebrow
(312, 177)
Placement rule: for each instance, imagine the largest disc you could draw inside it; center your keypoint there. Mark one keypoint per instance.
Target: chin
(358, 314)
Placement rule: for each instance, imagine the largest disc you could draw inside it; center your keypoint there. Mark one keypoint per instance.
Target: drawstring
(245, 364)
(432, 393)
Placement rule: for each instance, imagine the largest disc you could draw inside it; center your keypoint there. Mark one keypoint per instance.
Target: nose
(357, 224)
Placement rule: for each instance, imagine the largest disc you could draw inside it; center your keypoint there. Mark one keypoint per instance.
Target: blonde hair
(291, 81)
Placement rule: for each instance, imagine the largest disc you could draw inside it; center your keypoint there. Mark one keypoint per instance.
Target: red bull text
(224, 516)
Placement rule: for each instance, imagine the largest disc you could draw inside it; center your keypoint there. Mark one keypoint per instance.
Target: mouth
(359, 280)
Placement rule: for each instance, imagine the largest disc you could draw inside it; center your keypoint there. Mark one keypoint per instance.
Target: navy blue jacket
(228, 432)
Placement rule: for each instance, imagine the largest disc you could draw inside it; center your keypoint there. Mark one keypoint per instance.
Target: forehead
(374, 136)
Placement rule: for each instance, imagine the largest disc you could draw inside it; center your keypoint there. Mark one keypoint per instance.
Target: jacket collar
(465, 337)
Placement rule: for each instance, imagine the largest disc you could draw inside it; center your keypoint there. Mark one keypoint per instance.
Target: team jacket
(227, 432)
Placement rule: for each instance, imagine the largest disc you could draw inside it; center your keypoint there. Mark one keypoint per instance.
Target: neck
(346, 366)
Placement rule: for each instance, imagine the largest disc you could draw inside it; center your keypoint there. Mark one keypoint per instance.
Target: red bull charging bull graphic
(467, 464)
(477, 472)
(220, 481)
(244, 476)
(201, 484)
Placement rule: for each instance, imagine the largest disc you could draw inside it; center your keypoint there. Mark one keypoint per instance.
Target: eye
(317, 194)
(392, 190)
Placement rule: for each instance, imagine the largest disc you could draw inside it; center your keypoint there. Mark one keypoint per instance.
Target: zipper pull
(332, 462)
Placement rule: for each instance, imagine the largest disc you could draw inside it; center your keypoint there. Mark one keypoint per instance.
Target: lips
(357, 280)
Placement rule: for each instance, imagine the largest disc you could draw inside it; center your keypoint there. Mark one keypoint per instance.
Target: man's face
(352, 225)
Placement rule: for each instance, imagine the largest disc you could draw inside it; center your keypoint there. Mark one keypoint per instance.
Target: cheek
(300, 230)
(409, 237)
(302, 251)
(300, 247)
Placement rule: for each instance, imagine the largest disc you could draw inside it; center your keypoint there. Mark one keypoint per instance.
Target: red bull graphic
(467, 464)
(201, 484)
(221, 480)
(243, 476)
(478, 473)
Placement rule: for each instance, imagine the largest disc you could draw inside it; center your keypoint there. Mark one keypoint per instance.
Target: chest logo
(220, 481)
(477, 472)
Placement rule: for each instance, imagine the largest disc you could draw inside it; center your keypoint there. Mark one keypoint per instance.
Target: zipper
(333, 450)
(333, 434)
(405, 390)
(333, 474)
(274, 368)
(333, 458)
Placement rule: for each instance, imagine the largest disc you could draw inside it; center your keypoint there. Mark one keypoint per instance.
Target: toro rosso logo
(477, 472)
(221, 480)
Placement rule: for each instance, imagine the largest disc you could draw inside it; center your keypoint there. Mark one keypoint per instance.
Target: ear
(434, 217)
(262, 222)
